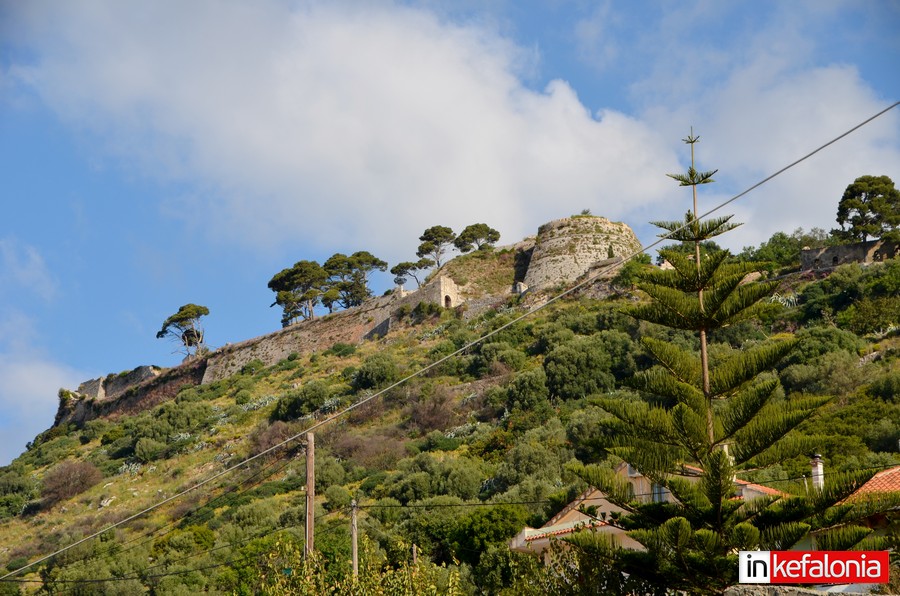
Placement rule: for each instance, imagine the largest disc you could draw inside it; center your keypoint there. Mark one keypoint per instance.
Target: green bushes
(376, 371)
(887, 387)
(579, 368)
(16, 489)
(341, 350)
(336, 497)
(302, 401)
(253, 367)
(147, 449)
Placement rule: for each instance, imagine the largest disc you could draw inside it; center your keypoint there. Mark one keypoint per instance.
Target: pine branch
(730, 375)
(742, 408)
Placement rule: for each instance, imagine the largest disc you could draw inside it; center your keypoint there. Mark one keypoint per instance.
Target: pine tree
(719, 419)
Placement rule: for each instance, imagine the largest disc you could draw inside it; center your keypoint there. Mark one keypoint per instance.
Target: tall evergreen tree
(719, 419)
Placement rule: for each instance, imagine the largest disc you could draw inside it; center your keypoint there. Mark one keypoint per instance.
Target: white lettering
(873, 569)
(777, 566)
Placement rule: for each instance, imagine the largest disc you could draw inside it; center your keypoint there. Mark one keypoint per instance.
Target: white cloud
(763, 118)
(29, 382)
(342, 126)
(23, 267)
(358, 125)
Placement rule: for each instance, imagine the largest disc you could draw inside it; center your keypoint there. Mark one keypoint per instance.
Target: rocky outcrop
(566, 249)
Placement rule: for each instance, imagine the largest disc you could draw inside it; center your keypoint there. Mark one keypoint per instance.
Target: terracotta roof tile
(596, 523)
(886, 481)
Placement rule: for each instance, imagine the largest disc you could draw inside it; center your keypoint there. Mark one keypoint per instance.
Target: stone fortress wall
(564, 250)
(874, 251)
(567, 248)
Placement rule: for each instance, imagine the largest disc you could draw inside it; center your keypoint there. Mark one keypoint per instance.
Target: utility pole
(354, 549)
(310, 493)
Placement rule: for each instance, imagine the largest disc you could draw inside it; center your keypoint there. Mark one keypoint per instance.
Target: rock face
(565, 249)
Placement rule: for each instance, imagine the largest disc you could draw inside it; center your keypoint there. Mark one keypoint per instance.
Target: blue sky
(154, 154)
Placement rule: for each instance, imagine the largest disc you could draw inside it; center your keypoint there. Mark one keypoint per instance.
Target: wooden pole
(310, 494)
(354, 549)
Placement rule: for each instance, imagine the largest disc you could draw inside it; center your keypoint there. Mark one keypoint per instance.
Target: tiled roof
(569, 529)
(766, 490)
(572, 506)
(886, 481)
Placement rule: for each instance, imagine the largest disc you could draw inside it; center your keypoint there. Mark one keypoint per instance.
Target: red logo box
(813, 567)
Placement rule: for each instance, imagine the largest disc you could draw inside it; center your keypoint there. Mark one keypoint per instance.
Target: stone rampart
(563, 251)
(567, 248)
(112, 386)
(145, 394)
(827, 257)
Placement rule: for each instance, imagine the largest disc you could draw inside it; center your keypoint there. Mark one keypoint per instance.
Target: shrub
(337, 497)
(438, 441)
(94, 429)
(112, 435)
(870, 315)
(253, 367)
(302, 401)
(377, 370)
(887, 387)
(242, 397)
(528, 390)
(341, 350)
(578, 368)
(68, 479)
(147, 450)
(188, 393)
(424, 311)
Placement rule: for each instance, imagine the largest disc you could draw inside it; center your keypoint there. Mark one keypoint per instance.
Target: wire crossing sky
(186, 153)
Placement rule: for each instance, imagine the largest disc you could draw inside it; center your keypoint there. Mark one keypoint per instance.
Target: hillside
(454, 461)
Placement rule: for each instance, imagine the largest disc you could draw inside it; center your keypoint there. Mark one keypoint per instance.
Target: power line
(603, 271)
(151, 534)
(144, 576)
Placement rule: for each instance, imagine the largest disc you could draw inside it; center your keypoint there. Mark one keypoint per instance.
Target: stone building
(565, 249)
(828, 257)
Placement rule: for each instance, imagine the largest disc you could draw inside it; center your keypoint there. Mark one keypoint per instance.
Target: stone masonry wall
(113, 386)
(567, 248)
(859, 252)
(371, 319)
(152, 391)
(563, 251)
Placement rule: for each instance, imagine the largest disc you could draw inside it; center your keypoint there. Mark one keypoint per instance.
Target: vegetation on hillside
(454, 462)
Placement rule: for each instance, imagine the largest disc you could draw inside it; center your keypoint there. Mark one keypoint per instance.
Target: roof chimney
(818, 472)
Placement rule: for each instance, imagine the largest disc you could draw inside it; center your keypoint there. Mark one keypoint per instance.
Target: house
(882, 484)
(592, 510)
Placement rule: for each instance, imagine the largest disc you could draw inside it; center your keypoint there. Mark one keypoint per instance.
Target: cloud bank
(336, 123)
(351, 125)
